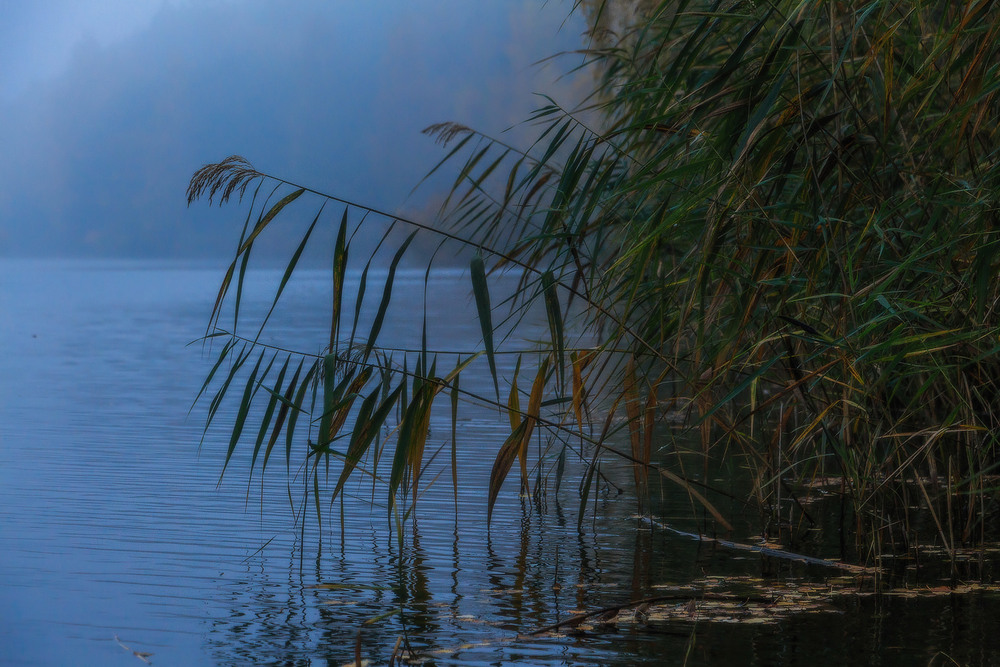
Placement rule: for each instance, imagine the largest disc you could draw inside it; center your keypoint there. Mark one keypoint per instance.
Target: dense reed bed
(774, 225)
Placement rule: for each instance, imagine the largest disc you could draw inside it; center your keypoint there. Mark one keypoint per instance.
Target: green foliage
(779, 221)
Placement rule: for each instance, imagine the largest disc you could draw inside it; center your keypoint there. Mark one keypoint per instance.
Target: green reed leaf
(367, 426)
(386, 296)
(411, 439)
(482, 295)
(289, 270)
(293, 415)
(266, 218)
(339, 271)
(241, 415)
(554, 314)
(265, 421)
(286, 405)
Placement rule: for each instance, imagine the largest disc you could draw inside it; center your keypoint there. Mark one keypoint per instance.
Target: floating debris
(142, 655)
(744, 600)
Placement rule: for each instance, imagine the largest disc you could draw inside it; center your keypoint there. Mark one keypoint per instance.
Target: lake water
(113, 521)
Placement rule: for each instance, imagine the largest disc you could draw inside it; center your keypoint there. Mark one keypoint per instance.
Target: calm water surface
(113, 520)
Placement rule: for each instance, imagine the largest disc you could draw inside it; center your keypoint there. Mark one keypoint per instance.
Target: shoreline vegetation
(772, 231)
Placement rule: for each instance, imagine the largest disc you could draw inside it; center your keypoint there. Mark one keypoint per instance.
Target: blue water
(113, 520)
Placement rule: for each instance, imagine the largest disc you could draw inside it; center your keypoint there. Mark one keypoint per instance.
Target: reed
(779, 223)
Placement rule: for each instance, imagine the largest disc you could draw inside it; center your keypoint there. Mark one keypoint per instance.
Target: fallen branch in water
(765, 551)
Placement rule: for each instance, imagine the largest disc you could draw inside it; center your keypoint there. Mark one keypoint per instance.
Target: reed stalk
(776, 222)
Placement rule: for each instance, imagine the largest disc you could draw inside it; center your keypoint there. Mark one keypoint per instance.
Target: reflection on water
(113, 520)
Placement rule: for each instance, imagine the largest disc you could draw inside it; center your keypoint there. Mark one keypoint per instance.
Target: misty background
(108, 107)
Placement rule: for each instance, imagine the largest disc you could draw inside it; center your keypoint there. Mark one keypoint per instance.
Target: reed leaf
(531, 419)
(266, 219)
(554, 314)
(411, 439)
(502, 465)
(339, 271)
(386, 296)
(296, 408)
(514, 398)
(369, 422)
(242, 412)
(265, 421)
(286, 405)
(772, 224)
(481, 292)
(289, 270)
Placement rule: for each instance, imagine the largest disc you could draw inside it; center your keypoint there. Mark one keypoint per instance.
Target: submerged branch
(764, 551)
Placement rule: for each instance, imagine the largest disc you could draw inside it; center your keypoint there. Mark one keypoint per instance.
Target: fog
(103, 126)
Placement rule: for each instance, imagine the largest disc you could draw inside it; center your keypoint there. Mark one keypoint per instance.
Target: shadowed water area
(113, 521)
